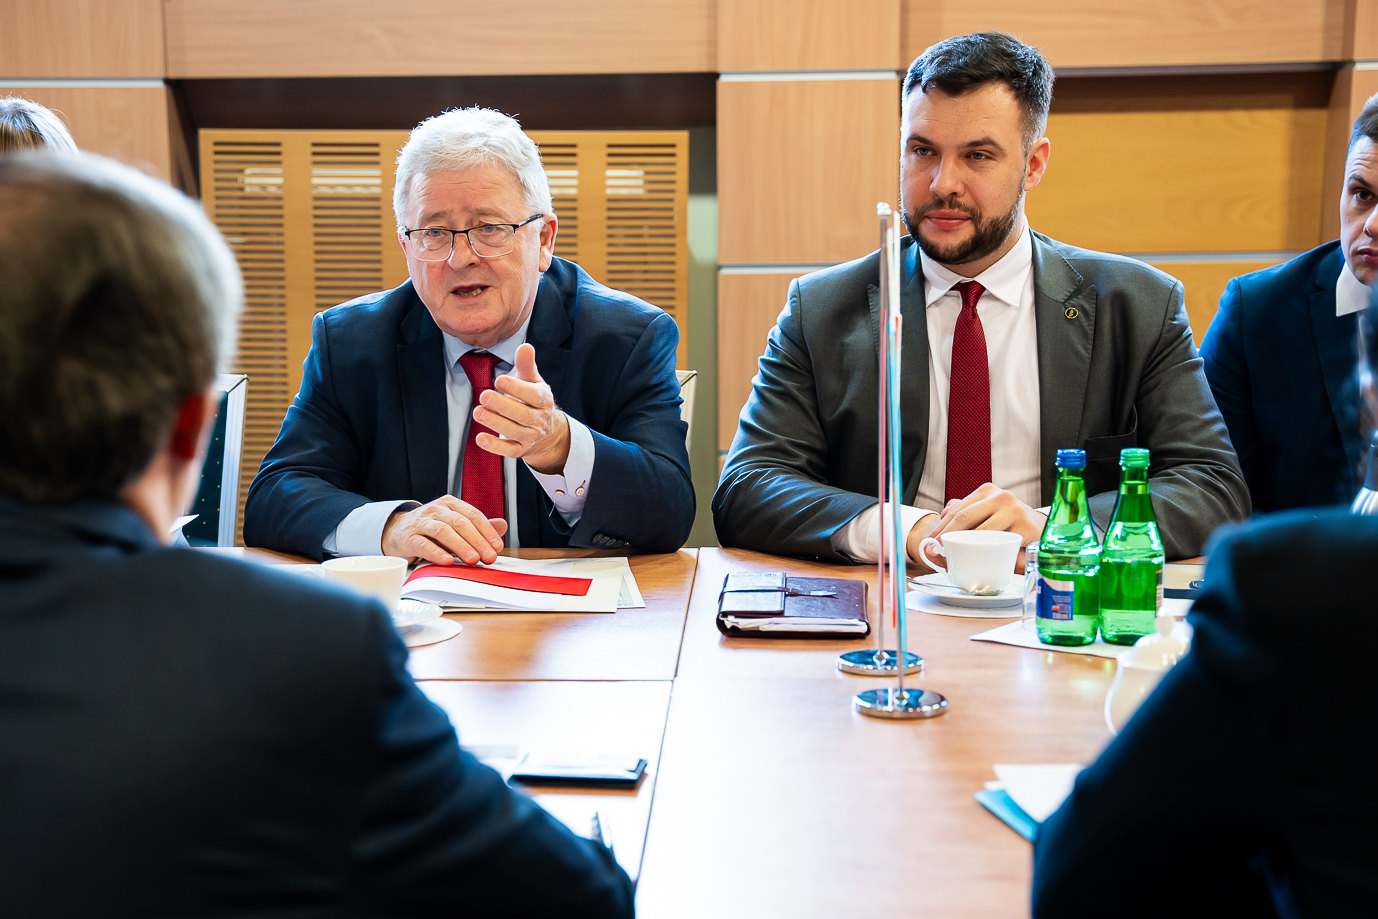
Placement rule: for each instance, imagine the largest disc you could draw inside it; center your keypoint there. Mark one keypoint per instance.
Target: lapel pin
(1071, 312)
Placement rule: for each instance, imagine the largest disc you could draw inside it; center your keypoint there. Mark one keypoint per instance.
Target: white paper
(1015, 633)
(1038, 788)
(457, 595)
(794, 624)
(181, 522)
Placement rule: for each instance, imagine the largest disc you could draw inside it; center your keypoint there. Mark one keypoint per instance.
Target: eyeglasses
(488, 240)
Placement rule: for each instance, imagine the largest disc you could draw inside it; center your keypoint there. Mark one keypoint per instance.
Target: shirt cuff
(569, 489)
(361, 532)
(859, 538)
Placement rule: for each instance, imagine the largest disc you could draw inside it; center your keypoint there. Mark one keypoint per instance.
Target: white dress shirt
(1351, 296)
(1006, 309)
(361, 531)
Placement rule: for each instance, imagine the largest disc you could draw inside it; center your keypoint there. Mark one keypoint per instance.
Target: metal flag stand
(882, 662)
(897, 702)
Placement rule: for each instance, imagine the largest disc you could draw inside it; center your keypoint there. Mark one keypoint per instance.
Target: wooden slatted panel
(242, 185)
(309, 216)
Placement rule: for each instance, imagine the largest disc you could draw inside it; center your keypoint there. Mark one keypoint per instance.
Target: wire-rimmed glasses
(488, 240)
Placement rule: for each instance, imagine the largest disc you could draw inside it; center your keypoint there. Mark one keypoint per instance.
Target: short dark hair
(966, 62)
(1366, 125)
(119, 300)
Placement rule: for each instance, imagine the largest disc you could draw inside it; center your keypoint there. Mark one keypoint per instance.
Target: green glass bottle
(1131, 564)
(1068, 560)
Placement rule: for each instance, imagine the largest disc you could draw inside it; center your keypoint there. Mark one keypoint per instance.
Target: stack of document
(1023, 796)
(584, 585)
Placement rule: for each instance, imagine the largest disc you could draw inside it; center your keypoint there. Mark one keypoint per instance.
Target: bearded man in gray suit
(1014, 345)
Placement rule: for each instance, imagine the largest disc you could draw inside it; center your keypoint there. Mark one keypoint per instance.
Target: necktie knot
(970, 292)
(478, 367)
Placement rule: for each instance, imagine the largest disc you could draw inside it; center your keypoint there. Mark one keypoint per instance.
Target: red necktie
(481, 484)
(968, 400)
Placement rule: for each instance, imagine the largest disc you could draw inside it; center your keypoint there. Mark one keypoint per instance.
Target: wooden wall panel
(1184, 181)
(1204, 283)
(128, 123)
(1352, 89)
(1361, 40)
(329, 38)
(808, 34)
(748, 305)
(81, 38)
(801, 166)
(1112, 33)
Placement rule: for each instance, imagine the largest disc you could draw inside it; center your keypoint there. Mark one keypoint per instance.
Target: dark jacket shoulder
(1321, 265)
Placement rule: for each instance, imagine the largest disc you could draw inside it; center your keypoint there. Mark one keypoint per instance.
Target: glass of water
(1030, 617)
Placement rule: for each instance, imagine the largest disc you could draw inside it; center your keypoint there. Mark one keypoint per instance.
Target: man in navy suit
(186, 734)
(1280, 352)
(1243, 786)
(423, 427)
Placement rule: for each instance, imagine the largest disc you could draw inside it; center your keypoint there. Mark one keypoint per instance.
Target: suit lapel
(425, 414)
(914, 368)
(550, 334)
(1065, 315)
(1335, 345)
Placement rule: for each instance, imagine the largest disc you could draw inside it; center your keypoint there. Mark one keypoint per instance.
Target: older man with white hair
(500, 397)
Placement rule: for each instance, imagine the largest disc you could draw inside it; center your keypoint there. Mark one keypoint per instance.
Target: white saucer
(411, 612)
(938, 585)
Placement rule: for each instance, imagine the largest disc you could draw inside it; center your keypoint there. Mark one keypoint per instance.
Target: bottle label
(1056, 599)
(1158, 601)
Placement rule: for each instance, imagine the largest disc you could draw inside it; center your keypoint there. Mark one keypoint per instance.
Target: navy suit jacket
(370, 422)
(1281, 366)
(1244, 785)
(189, 735)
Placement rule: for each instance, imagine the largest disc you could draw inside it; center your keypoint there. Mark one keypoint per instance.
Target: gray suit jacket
(1123, 373)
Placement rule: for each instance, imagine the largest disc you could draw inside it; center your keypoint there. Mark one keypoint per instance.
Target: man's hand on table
(444, 531)
(986, 508)
(521, 409)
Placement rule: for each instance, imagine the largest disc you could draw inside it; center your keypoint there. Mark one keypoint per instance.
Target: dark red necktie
(481, 484)
(968, 400)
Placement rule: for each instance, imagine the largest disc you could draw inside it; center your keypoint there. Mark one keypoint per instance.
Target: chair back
(217, 499)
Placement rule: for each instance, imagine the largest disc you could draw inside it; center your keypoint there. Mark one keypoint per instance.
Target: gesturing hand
(522, 411)
(444, 531)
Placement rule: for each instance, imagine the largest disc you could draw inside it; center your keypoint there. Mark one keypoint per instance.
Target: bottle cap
(1071, 459)
(1134, 458)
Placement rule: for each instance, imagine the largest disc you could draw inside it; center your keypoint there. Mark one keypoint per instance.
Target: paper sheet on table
(181, 522)
(1017, 634)
(1038, 788)
(613, 587)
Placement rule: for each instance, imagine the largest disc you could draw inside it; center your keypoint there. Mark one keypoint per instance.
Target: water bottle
(1069, 560)
(1131, 562)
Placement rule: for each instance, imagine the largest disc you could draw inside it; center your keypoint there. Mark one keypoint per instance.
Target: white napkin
(1038, 788)
(1016, 634)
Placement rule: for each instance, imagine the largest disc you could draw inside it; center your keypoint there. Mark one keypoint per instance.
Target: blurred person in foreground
(186, 734)
(1244, 784)
(500, 397)
(1015, 345)
(1280, 355)
(26, 125)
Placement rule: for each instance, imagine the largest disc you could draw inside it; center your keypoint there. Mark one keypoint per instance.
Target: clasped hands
(986, 508)
(521, 411)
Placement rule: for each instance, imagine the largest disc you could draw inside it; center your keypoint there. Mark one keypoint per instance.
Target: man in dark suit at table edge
(1280, 352)
(386, 450)
(1050, 347)
(186, 734)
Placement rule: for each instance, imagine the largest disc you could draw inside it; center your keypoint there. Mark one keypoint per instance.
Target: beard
(989, 233)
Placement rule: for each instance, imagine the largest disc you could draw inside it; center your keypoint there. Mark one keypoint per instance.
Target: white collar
(1351, 296)
(1006, 280)
(506, 350)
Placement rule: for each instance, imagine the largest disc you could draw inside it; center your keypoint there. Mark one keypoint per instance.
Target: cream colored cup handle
(928, 559)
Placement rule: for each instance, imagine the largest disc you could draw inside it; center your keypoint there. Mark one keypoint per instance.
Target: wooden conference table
(766, 794)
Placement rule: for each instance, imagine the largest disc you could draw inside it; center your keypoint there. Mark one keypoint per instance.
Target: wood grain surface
(801, 165)
(81, 38)
(748, 305)
(808, 34)
(127, 123)
(596, 718)
(774, 798)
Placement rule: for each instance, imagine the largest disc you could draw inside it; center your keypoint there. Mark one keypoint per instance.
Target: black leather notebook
(770, 604)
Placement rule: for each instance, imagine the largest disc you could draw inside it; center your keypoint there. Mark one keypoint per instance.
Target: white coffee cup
(979, 562)
(378, 576)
